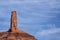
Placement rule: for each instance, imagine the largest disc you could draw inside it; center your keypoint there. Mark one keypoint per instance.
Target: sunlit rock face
(13, 33)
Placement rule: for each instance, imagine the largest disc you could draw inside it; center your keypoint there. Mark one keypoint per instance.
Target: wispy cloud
(49, 34)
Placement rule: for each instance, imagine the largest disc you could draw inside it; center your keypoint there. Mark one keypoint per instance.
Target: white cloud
(48, 32)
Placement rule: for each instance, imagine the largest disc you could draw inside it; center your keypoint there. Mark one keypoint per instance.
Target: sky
(40, 18)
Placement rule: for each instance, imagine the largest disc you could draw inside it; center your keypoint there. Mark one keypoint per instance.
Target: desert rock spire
(13, 22)
(13, 33)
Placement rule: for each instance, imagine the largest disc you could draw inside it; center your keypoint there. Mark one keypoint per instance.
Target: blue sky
(40, 18)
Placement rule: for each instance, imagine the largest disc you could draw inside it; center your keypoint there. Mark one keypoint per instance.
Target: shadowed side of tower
(13, 25)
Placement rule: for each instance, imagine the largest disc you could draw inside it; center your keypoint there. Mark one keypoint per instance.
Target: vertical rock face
(13, 22)
(13, 33)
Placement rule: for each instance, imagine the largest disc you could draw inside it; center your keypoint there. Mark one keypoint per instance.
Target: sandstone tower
(13, 33)
(13, 22)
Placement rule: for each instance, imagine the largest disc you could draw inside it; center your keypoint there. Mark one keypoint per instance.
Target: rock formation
(13, 22)
(13, 33)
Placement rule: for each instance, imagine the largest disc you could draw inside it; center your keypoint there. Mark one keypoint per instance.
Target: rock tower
(13, 22)
(13, 33)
